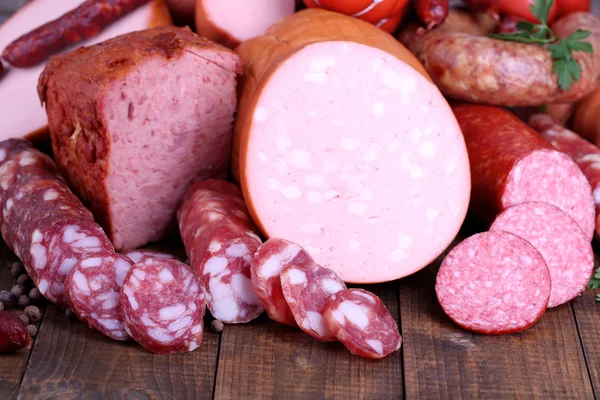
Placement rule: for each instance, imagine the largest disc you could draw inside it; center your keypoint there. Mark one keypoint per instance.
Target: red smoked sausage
(85, 21)
(431, 12)
(13, 332)
(512, 164)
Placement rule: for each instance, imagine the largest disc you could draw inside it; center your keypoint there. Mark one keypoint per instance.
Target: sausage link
(495, 72)
(431, 12)
(79, 24)
(13, 332)
(483, 5)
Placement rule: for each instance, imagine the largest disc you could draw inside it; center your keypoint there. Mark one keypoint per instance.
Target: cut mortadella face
(355, 156)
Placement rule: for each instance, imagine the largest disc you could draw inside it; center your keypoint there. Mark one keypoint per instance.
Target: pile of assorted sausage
(354, 159)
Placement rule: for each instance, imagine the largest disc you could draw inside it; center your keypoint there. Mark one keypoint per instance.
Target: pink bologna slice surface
(494, 283)
(163, 305)
(569, 256)
(360, 320)
(358, 158)
(94, 292)
(306, 288)
(270, 258)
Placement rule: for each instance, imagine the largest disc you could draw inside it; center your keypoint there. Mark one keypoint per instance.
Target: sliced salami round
(55, 246)
(306, 288)
(222, 258)
(163, 305)
(494, 283)
(561, 242)
(271, 257)
(360, 320)
(141, 255)
(94, 292)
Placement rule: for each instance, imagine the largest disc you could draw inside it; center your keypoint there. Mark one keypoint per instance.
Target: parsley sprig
(595, 283)
(565, 66)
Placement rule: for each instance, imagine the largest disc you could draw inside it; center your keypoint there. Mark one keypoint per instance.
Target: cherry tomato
(520, 8)
(386, 14)
(566, 7)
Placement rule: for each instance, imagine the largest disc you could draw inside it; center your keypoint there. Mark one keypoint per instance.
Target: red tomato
(386, 14)
(566, 7)
(520, 8)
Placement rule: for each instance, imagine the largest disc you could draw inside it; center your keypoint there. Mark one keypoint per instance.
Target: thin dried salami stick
(82, 23)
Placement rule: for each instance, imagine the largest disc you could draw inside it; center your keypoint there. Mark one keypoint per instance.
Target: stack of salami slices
(298, 292)
(537, 253)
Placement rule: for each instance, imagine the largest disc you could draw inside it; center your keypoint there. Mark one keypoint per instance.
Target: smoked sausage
(82, 23)
(494, 72)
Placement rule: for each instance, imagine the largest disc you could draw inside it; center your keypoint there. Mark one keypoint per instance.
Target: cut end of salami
(354, 172)
(494, 283)
(360, 320)
(141, 255)
(559, 239)
(306, 288)
(552, 177)
(270, 258)
(94, 292)
(163, 305)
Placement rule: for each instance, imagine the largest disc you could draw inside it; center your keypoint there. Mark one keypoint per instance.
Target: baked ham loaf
(134, 119)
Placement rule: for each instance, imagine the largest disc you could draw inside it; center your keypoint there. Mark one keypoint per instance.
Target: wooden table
(557, 358)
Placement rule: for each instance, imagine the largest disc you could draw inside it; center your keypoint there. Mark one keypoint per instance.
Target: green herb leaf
(595, 281)
(566, 68)
(598, 297)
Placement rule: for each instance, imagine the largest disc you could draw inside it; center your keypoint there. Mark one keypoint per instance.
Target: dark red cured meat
(306, 288)
(55, 245)
(494, 283)
(84, 22)
(222, 256)
(208, 201)
(431, 12)
(33, 200)
(271, 257)
(360, 320)
(483, 5)
(557, 237)
(511, 163)
(141, 255)
(94, 292)
(27, 164)
(163, 304)
(220, 240)
(584, 153)
(11, 147)
(13, 332)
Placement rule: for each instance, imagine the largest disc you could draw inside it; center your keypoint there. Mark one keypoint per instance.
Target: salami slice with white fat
(141, 255)
(360, 320)
(271, 257)
(10, 147)
(94, 292)
(494, 283)
(163, 305)
(55, 246)
(223, 261)
(307, 288)
(559, 239)
(220, 241)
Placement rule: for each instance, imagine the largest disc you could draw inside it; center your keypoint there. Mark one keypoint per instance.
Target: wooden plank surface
(70, 358)
(269, 360)
(442, 360)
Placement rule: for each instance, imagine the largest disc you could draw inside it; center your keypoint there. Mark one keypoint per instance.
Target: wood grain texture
(443, 361)
(12, 365)
(71, 360)
(267, 360)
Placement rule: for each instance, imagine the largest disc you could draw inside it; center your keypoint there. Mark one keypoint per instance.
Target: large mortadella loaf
(512, 164)
(344, 146)
(134, 119)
